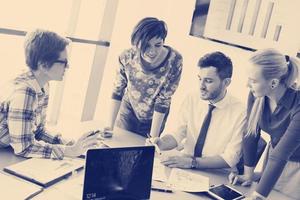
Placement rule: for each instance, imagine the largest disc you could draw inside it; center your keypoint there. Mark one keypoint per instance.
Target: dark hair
(42, 46)
(147, 29)
(218, 60)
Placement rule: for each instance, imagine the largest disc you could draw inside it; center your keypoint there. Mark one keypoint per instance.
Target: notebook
(17, 189)
(118, 173)
(45, 172)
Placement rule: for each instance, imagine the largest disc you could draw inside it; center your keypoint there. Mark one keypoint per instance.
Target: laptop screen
(118, 173)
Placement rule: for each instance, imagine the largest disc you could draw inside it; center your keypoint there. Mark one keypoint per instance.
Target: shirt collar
(32, 81)
(223, 102)
(287, 99)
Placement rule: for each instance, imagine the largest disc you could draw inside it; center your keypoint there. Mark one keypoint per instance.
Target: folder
(45, 172)
(17, 189)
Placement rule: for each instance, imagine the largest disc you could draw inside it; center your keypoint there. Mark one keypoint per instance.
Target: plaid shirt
(23, 119)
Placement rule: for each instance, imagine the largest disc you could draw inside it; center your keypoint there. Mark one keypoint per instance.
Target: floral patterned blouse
(147, 89)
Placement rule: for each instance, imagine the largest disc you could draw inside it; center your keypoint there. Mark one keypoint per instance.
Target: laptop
(123, 173)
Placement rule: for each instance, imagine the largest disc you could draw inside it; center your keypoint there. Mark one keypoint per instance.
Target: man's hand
(184, 162)
(106, 132)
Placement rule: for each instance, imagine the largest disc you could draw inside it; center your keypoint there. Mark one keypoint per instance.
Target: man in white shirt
(210, 119)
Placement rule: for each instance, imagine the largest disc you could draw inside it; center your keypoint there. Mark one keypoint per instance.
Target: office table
(71, 188)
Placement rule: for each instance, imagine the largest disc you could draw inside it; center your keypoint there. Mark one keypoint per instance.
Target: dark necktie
(203, 132)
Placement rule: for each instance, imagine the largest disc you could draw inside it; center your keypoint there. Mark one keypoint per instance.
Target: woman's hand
(85, 142)
(244, 180)
(152, 141)
(106, 132)
(255, 196)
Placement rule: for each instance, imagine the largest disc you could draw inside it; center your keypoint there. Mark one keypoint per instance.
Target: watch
(194, 163)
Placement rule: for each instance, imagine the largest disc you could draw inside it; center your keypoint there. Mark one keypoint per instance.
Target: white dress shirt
(225, 133)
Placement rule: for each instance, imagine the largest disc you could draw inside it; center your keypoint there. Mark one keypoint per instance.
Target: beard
(211, 95)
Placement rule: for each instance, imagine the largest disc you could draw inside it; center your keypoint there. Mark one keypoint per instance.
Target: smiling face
(257, 84)
(211, 85)
(57, 70)
(153, 50)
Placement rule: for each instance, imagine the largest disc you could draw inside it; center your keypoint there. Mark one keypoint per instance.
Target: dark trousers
(127, 120)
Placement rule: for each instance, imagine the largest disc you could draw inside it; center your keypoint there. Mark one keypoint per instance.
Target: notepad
(45, 172)
(17, 189)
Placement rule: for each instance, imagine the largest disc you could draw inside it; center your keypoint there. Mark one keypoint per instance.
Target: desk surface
(71, 188)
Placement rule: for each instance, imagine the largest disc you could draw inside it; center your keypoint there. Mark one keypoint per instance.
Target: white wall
(178, 16)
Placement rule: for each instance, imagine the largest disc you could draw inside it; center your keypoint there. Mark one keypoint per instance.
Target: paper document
(45, 172)
(188, 181)
(159, 171)
(17, 189)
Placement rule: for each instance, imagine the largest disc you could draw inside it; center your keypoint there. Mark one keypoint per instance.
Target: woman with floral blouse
(147, 77)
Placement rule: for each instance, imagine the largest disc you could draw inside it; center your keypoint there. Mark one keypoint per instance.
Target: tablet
(225, 192)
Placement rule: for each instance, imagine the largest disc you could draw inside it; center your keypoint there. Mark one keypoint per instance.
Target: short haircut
(42, 46)
(147, 29)
(218, 60)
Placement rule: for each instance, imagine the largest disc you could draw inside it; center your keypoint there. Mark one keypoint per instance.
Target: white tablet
(225, 192)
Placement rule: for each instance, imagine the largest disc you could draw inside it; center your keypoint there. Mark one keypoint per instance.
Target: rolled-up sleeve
(120, 83)
(179, 132)
(163, 100)
(233, 150)
(21, 118)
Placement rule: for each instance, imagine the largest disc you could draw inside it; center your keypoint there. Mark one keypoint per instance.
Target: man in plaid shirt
(24, 102)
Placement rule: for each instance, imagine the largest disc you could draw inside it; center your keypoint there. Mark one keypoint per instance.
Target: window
(82, 21)
(249, 24)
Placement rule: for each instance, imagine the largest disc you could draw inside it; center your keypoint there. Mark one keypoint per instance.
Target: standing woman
(274, 107)
(147, 77)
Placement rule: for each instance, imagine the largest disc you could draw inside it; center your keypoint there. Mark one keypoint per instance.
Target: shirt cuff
(230, 159)
(178, 138)
(58, 139)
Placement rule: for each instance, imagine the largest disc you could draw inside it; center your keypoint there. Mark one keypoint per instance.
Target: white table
(71, 188)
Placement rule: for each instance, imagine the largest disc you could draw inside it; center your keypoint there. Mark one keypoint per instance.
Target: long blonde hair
(274, 65)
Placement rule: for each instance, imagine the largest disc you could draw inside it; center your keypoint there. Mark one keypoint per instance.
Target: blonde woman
(274, 107)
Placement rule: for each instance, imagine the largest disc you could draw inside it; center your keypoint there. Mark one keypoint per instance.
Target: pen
(162, 190)
(155, 145)
(93, 133)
